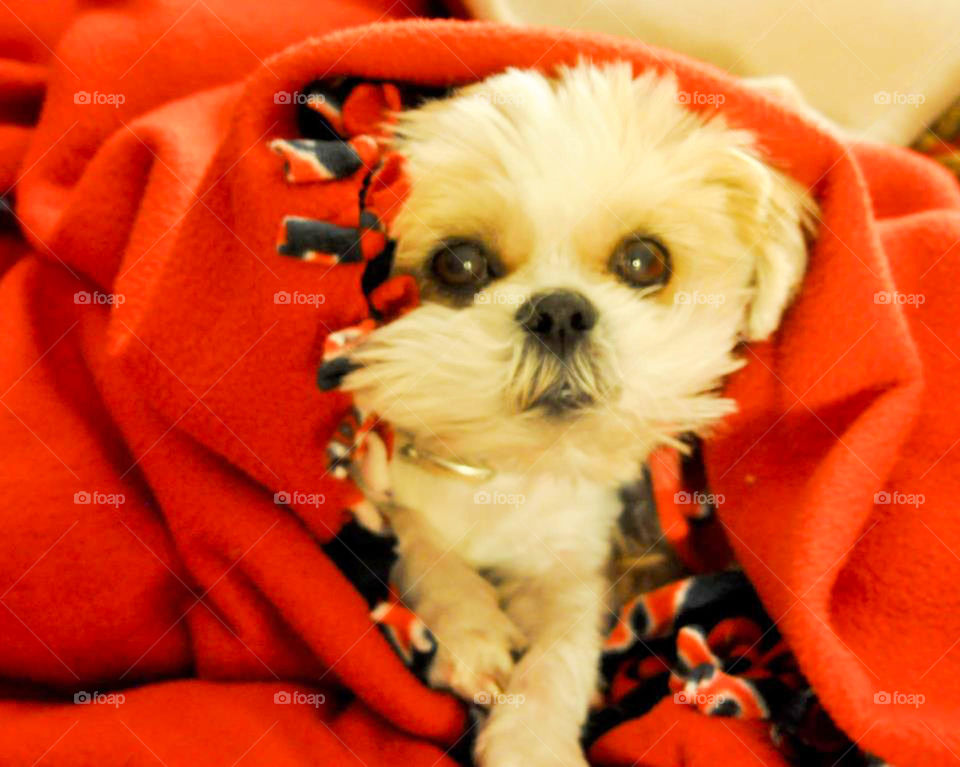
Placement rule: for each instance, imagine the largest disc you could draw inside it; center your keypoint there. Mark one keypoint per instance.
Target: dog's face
(589, 253)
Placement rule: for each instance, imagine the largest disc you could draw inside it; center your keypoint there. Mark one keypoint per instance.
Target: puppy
(590, 254)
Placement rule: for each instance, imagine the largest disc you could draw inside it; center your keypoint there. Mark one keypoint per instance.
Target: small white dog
(590, 254)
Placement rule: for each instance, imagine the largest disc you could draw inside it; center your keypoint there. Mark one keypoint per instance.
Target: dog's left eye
(641, 261)
(462, 264)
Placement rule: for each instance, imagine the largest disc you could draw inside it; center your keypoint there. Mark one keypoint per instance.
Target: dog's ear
(773, 214)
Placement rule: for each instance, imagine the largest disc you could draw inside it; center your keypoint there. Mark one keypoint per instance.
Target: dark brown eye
(462, 265)
(641, 261)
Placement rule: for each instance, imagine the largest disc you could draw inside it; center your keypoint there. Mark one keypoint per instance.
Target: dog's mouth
(557, 388)
(564, 399)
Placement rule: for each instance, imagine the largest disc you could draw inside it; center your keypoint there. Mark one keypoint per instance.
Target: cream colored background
(843, 55)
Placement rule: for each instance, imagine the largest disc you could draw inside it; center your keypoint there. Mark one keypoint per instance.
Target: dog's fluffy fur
(551, 174)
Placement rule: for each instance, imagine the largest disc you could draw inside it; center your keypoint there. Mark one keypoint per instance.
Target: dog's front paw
(508, 739)
(475, 645)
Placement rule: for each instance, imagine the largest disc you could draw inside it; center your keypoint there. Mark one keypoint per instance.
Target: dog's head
(589, 253)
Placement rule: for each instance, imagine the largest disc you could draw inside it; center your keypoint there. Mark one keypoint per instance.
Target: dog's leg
(475, 638)
(538, 721)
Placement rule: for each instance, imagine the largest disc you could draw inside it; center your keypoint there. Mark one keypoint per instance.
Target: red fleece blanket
(156, 396)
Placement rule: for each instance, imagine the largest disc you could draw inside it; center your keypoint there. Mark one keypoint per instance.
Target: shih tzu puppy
(590, 254)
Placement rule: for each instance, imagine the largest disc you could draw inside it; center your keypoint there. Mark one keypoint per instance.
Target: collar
(471, 472)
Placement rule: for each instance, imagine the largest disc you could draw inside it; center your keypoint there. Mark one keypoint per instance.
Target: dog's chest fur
(513, 524)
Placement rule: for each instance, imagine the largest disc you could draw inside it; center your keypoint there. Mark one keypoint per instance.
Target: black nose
(561, 319)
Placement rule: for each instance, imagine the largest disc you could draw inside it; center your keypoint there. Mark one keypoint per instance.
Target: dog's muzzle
(559, 374)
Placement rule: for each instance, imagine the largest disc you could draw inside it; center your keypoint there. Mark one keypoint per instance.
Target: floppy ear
(772, 213)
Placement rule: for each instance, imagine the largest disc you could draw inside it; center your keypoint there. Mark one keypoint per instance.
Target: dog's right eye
(462, 265)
